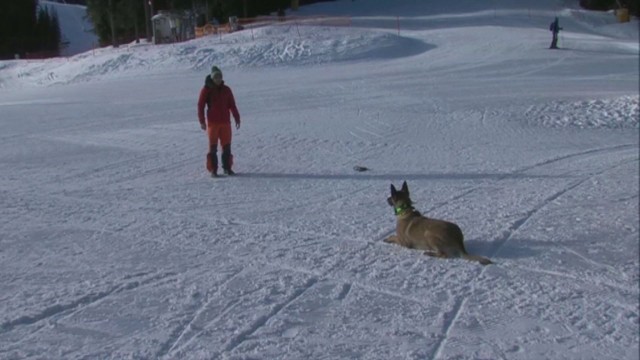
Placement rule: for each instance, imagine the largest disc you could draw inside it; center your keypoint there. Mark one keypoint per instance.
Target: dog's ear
(405, 188)
(393, 191)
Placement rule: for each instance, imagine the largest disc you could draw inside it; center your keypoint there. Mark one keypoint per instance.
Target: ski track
(608, 268)
(520, 222)
(260, 322)
(111, 166)
(539, 68)
(450, 319)
(457, 310)
(346, 289)
(596, 151)
(182, 331)
(578, 279)
(176, 343)
(459, 306)
(92, 124)
(82, 302)
(184, 334)
(171, 346)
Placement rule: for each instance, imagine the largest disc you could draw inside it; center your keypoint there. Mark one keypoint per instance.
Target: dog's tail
(481, 259)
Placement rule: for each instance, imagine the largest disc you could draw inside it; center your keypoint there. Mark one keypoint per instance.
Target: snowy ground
(115, 243)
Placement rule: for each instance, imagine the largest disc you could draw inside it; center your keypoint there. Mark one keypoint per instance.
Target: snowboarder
(219, 100)
(555, 29)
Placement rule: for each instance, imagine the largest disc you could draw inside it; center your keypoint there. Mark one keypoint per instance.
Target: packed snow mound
(291, 45)
(277, 45)
(618, 113)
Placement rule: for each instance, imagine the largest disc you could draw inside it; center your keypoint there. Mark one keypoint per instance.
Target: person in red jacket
(219, 101)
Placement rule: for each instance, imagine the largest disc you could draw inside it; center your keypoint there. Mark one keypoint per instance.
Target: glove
(203, 126)
(237, 123)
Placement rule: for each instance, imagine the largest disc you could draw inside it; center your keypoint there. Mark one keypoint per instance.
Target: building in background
(171, 27)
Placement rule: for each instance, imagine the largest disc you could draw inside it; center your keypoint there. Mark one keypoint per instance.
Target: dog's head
(399, 199)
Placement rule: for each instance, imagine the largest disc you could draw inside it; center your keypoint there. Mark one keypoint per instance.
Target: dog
(438, 238)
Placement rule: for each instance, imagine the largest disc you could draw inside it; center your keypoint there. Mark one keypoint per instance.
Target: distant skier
(219, 100)
(555, 29)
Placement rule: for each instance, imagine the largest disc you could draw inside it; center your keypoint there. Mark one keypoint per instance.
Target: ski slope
(116, 244)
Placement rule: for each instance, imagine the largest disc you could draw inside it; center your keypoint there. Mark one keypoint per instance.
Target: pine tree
(42, 27)
(56, 34)
(17, 25)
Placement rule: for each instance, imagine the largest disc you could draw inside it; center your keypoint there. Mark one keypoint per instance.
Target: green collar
(398, 210)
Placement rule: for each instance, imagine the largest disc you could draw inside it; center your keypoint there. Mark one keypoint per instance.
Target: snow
(115, 243)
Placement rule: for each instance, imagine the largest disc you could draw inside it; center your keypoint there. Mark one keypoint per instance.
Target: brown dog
(437, 237)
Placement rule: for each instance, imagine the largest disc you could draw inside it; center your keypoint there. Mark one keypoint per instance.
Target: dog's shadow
(514, 248)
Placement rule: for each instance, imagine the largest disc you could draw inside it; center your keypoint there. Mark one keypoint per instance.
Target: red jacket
(219, 101)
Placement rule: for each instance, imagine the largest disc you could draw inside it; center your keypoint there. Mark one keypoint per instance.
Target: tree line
(122, 21)
(603, 5)
(28, 30)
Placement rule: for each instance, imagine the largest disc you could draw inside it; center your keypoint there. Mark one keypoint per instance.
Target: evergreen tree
(47, 32)
(55, 33)
(99, 14)
(17, 25)
(43, 25)
(26, 28)
(129, 15)
(603, 5)
(115, 21)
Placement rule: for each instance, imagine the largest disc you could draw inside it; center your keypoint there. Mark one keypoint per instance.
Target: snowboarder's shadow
(368, 175)
(596, 51)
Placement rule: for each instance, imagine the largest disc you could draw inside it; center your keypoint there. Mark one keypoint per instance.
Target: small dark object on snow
(360, 168)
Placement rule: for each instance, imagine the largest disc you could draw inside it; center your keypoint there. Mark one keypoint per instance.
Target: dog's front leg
(435, 253)
(393, 239)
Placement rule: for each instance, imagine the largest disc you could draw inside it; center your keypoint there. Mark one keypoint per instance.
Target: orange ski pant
(217, 133)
